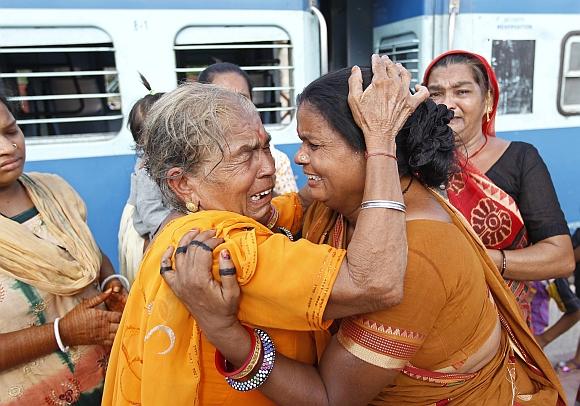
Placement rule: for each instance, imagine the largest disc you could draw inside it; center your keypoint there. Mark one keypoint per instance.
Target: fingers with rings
(201, 245)
(227, 271)
(181, 250)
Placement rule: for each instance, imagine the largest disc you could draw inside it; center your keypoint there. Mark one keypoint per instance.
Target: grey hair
(188, 128)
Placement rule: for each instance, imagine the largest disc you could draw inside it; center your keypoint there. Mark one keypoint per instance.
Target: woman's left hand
(214, 305)
(116, 302)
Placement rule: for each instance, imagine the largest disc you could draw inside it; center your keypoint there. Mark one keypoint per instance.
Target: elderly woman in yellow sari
(210, 155)
(54, 332)
(457, 337)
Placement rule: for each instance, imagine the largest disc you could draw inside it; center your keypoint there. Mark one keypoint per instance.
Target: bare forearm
(550, 258)
(372, 276)
(106, 267)
(26, 345)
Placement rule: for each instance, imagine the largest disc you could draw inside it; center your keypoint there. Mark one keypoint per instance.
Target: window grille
(64, 80)
(569, 92)
(264, 53)
(403, 49)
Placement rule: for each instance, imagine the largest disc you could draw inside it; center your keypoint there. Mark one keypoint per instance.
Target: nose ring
(302, 158)
(14, 146)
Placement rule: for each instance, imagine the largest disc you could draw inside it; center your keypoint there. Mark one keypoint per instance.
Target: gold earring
(191, 207)
(487, 111)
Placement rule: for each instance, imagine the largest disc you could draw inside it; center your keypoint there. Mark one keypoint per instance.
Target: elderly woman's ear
(183, 185)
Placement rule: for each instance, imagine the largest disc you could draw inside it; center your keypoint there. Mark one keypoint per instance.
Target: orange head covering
(488, 126)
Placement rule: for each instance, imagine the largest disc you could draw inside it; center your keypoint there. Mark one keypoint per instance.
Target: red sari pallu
(495, 218)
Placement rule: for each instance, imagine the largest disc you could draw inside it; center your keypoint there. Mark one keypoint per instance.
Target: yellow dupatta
(64, 269)
(285, 285)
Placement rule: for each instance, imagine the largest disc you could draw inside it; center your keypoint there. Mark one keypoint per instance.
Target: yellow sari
(453, 295)
(160, 356)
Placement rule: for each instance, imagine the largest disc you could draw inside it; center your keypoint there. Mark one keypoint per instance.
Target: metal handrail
(272, 88)
(48, 50)
(247, 68)
(276, 109)
(323, 31)
(58, 74)
(64, 96)
(231, 46)
(69, 119)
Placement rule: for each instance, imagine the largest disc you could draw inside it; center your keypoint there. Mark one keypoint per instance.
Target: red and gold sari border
(441, 378)
(377, 344)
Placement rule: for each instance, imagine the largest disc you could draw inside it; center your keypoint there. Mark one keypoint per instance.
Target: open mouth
(313, 177)
(259, 196)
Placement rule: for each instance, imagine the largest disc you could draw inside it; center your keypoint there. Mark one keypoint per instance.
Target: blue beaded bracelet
(269, 356)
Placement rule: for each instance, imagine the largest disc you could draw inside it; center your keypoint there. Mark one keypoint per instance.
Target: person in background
(145, 211)
(569, 304)
(231, 76)
(56, 327)
(503, 189)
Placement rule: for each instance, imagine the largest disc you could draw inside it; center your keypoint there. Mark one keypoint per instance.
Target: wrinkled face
(455, 86)
(335, 172)
(243, 181)
(232, 81)
(11, 158)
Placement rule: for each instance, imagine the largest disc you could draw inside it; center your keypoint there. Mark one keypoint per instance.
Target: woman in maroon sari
(503, 188)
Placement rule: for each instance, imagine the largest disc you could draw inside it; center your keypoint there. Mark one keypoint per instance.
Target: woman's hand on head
(384, 106)
(85, 324)
(214, 305)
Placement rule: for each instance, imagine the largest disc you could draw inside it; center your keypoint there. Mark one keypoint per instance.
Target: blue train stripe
(389, 11)
(161, 4)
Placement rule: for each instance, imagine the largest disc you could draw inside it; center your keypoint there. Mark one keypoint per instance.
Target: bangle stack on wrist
(247, 378)
(383, 204)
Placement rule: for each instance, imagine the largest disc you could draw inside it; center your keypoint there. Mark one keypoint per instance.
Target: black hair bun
(429, 143)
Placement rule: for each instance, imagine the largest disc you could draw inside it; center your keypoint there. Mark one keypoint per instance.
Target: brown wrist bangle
(383, 153)
(503, 262)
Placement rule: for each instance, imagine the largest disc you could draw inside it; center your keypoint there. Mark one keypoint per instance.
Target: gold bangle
(253, 361)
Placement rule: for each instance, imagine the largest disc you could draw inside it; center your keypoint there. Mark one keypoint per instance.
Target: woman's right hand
(386, 104)
(214, 305)
(87, 325)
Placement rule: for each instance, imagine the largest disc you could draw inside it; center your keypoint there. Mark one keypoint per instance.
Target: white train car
(73, 67)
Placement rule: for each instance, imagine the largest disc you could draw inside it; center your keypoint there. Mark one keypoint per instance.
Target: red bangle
(368, 154)
(222, 364)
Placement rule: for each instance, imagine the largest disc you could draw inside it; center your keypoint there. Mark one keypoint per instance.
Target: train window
(264, 52)
(569, 91)
(403, 49)
(64, 80)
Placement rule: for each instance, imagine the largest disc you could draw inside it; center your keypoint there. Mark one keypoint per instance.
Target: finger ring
(227, 271)
(181, 250)
(201, 245)
(164, 269)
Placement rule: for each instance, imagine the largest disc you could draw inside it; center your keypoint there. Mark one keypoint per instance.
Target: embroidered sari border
(377, 344)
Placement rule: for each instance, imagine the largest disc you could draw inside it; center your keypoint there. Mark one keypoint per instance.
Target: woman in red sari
(504, 189)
